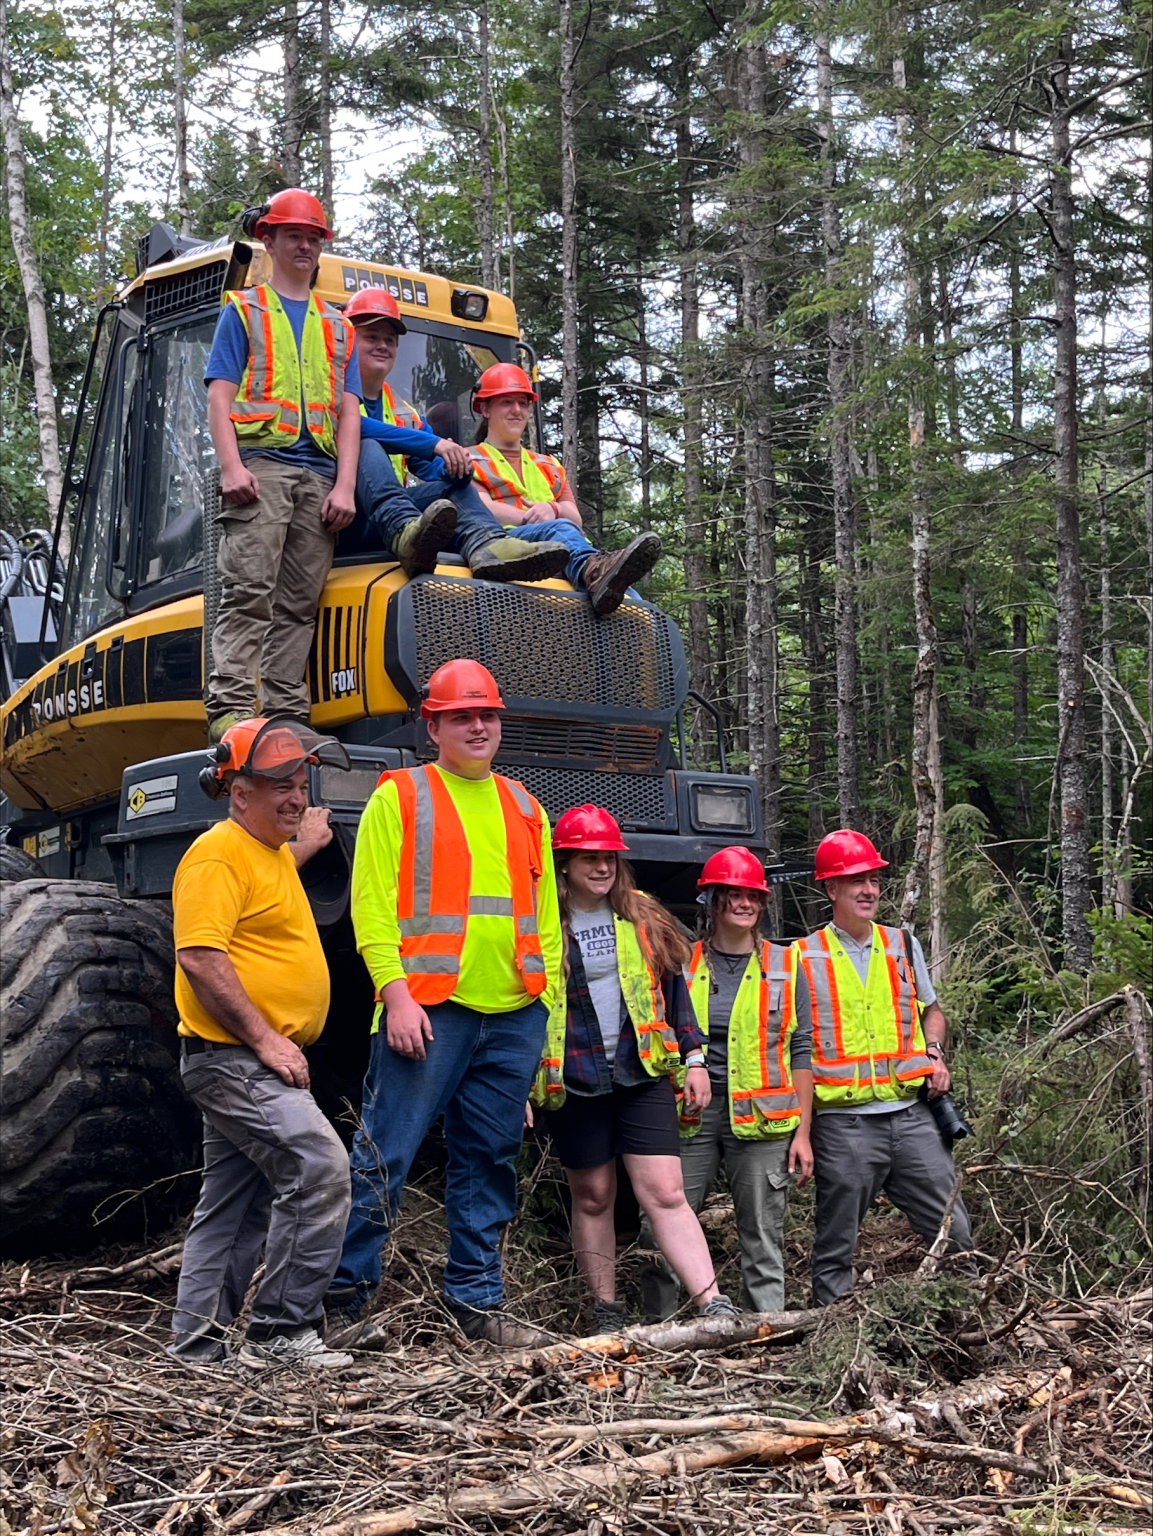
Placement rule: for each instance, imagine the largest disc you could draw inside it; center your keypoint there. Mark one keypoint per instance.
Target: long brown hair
(668, 946)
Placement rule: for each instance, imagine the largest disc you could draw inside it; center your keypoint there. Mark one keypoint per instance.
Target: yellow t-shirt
(235, 894)
(489, 980)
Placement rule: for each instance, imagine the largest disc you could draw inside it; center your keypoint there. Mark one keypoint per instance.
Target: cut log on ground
(652, 1338)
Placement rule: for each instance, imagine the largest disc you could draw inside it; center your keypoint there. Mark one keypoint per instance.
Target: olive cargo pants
(275, 555)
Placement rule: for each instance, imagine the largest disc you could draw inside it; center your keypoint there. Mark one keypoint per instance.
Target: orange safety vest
(433, 900)
(492, 479)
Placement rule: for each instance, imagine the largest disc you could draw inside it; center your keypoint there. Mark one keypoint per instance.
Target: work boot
(607, 577)
(304, 1349)
(344, 1328)
(222, 723)
(721, 1306)
(511, 559)
(608, 1317)
(418, 543)
(497, 1327)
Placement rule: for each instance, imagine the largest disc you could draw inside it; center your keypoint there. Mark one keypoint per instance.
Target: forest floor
(928, 1404)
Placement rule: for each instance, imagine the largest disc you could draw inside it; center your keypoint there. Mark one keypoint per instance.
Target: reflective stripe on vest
(266, 411)
(405, 416)
(541, 477)
(867, 1040)
(762, 1099)
(433, 900)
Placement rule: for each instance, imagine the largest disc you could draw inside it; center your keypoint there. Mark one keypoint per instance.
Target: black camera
(951, 1124)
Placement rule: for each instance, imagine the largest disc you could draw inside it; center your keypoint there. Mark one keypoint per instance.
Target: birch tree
(570, 315)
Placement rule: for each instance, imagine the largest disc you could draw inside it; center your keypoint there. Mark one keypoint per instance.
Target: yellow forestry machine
(104, 733)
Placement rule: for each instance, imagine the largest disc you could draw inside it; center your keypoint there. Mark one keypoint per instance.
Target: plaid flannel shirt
(587, 1071)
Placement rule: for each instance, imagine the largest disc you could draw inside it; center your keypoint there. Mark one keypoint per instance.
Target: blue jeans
(384, 506)
(560, 531)
(478, 1072)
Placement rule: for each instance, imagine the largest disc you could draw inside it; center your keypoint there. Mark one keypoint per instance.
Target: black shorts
(589, 1132)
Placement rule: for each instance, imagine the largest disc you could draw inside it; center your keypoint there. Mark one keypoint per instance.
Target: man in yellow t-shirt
(455, 908)
(252, 990)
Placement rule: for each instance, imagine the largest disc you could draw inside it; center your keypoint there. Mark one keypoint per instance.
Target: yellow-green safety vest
(763, 1101)
(403, 416)
(867, 1038)
(266, 411)
(640, 981)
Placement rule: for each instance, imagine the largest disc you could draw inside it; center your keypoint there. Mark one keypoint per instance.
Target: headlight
(721, 808)
(344, 786)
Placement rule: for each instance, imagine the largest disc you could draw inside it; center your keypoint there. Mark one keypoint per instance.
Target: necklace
(734, 965)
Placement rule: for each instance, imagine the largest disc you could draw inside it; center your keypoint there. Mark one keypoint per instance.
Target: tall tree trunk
(22, 244)
(109, 141)
(1108, 853)
(570, 334)
(928, 780)
(506, 197)
(180, 113)
(489, 276)
(844, 504)
(760, 509)
(293, 129)
(645, 467)
(1020, 571)
(1076, 872)
(324, 112)
(696, 582)
(816, 663)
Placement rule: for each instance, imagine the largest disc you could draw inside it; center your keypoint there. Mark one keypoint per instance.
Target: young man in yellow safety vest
(454, 904)
(284, 413)
(878, 1035)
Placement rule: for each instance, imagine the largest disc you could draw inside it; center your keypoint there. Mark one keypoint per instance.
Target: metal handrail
(718, 721)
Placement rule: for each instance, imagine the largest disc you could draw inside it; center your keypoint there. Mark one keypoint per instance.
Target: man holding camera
(878, 1035)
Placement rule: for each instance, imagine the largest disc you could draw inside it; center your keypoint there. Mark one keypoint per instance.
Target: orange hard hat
(846, 853)
(588, 828)
(734, 866)
(503, 379)
(269, 748)
(292, 206)
(461, 684)
(374, 304)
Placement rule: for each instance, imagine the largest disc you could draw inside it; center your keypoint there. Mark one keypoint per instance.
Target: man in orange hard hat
(878, 1055)
(454, 904)
(414, 490)
(252, 991)
(283, 411)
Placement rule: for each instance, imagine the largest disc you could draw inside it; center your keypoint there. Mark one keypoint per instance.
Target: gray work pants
(858, 1156)
(758, 1173)
(275, 1175)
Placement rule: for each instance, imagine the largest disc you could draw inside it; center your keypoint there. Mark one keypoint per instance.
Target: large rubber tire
(90, 1088)
(15, 864)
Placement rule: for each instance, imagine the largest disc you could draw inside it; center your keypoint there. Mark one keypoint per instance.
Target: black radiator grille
(547, 645)
(642, 801)
(630, 747)
(184, 290)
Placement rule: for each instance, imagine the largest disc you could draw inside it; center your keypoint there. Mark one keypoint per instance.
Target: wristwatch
(935, 1045)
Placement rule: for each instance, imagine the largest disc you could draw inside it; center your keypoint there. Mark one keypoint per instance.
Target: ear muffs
(211, 776)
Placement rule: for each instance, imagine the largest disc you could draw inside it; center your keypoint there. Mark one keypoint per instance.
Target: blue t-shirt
(229, 358)
(417, 447)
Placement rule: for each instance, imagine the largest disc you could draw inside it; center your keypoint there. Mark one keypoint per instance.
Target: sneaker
(304, 1349)
(418, 543)
(222, 723)
(720, 1306)
(344, 1328)
(606, 577)
(511, 559)
(608, 1317)
(497, 1327)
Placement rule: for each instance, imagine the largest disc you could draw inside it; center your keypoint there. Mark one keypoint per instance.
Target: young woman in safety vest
(617, 1039)
(753, 1006)
(529, 492)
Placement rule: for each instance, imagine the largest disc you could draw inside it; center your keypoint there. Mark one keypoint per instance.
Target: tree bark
(696, 576)
(327, 189)
(25, 250)
(109, 137)
(489, 276)
(645, 467)
(1076, 872)
(570, 308)
(180, 114)
(1020, 666)
(293, 128)
(506, 193)
(844, 504)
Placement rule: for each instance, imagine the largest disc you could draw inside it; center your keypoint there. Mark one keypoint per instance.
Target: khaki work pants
(275, 555)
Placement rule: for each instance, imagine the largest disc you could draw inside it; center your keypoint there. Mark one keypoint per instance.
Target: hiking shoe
(608, 1317)
(511, 559)
(497, 1327)
(221, 724)
(344, 1328)
(418, 543)
(607, 577)
(304, 1349)
(720, 1306)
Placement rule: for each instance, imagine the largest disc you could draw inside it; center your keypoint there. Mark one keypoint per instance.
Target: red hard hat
(292, 206)
(734, 866)
(268, 748)
(374, 304)
(461, 685)
(846, 853)
(503, 379)
(586, 828)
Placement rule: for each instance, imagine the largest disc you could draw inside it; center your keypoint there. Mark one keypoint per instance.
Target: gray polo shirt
(860, 953)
